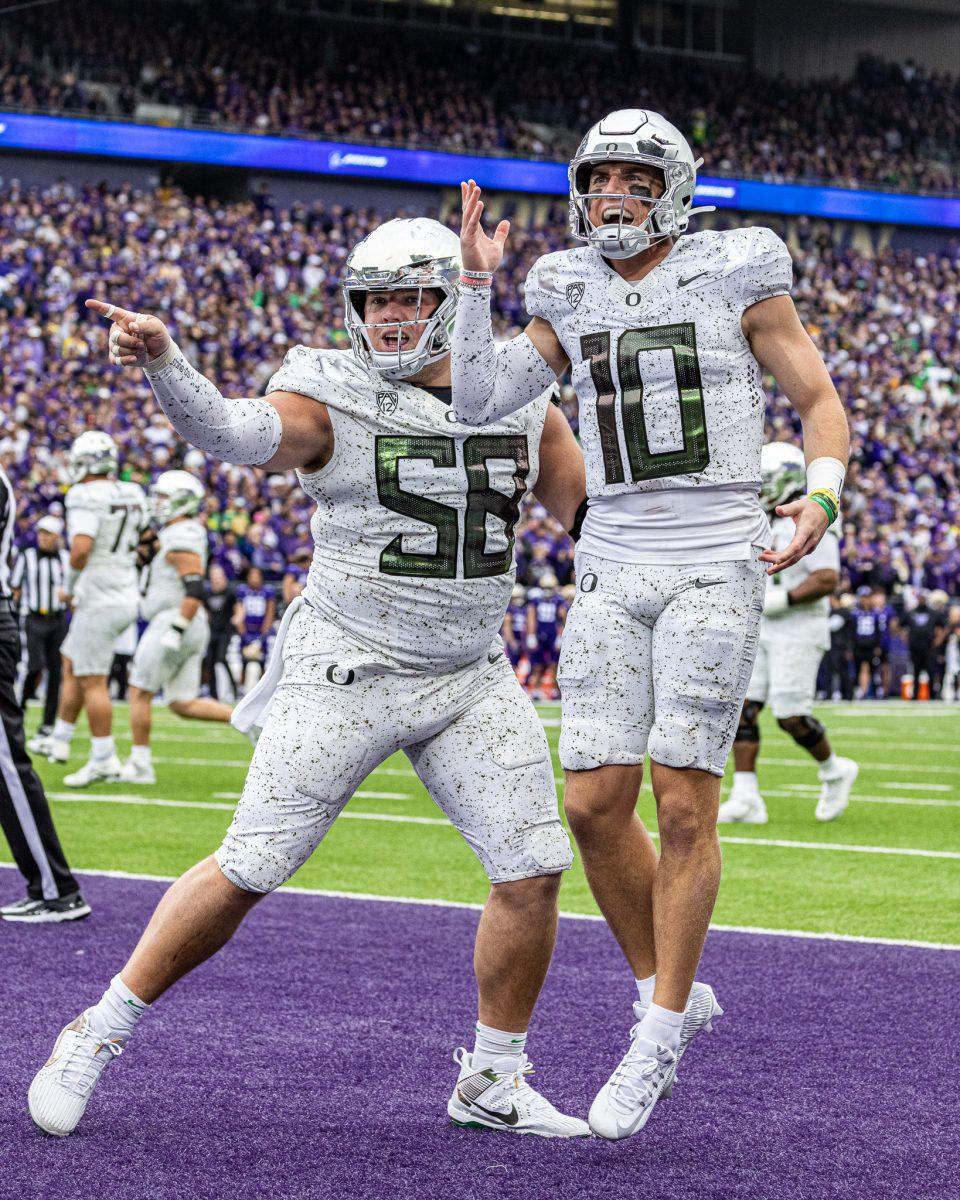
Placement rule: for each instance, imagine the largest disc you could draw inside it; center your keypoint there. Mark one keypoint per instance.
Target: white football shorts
(93, 630)
(785, 675)
(177, 675)
(472, 736)
(657, 659)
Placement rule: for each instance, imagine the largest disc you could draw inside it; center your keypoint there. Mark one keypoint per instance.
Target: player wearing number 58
(666, 337)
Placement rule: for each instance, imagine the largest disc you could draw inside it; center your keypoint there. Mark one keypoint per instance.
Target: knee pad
(541, 850)
(748, 729)
(810, 730)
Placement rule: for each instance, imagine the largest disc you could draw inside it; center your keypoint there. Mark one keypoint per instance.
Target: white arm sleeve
(490, 381)
(243, 432)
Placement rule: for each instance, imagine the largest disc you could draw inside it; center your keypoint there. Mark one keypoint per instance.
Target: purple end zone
(311, 1059)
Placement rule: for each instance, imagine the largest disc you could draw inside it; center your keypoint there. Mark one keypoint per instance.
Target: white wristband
(776, 601)
(827, 473)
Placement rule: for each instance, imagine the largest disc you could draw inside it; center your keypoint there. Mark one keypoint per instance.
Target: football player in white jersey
(666, 338)
(394, 645)
(170, 654)
(105, 517)
(794, 635)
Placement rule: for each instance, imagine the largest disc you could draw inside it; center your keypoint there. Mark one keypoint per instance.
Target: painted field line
(874, 766)
(778, 843)
(919, 787)
(804, 791)
(328, 893)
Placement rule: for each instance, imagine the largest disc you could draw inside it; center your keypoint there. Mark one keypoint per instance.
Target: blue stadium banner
(152, 143)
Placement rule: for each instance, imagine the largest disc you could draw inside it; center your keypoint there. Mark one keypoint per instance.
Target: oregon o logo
(633, 299)
(338, 675)
(589, 582)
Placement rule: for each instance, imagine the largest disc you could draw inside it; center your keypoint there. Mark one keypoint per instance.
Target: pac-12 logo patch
(387, 402)
(575, 293)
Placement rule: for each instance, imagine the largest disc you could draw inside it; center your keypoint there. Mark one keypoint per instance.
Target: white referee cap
(50, 525)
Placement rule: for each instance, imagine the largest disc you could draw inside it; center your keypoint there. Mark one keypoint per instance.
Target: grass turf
(907, 796)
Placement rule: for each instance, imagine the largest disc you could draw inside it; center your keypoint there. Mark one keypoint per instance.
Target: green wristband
(827, 507)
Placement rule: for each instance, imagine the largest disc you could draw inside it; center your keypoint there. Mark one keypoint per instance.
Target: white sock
(117, 1013)
(645, 989)
(662, 1025)
(101, 748)
(746, 781)
(497, 1046)
(829, 768)
(141, 756)
(63, 730)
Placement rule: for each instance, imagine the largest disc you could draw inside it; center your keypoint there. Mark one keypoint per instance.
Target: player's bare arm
(80, 550)
(817, 584)
(283, 431)
(490, 381)
(783, 347)
(189, 567)
(561, 486)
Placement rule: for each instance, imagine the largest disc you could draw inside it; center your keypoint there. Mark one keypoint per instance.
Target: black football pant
(24, 813)
(217, 653)
(44, 636)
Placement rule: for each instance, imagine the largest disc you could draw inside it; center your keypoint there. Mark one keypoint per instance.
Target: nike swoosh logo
(508, 1118)
(692, 279)
(702, 583)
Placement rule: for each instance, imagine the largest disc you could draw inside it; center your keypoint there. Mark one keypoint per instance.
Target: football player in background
(254, 615)
(794, 635)
(666, 338)
(105, 517)
(170, 653)
(393, 646)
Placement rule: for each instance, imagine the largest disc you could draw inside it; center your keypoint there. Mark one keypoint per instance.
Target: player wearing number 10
(665, 338)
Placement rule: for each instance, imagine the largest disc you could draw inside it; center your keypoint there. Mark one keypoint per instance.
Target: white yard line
(327, 893)
(779, 843)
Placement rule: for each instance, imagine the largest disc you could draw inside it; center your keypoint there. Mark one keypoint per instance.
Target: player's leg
(71, 701)
(745, 803)
(92, 637)
(183, 688)
(490, 772)
(311, 757)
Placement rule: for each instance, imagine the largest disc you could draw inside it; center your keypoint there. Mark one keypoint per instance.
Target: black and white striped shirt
(41, 576)
(8, 515)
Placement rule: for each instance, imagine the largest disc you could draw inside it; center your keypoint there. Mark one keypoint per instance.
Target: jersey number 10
(681, 339)
(481, 500)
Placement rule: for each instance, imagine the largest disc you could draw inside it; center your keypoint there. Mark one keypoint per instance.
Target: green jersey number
(630, 346)
(482, 499)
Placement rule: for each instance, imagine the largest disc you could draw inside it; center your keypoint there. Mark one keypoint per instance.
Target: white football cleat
(623, 1105)
(503, 1100)
(57, 751)
(744, 808)
(40, 743)
(131, 772)
(103, 770)
(835, 792)
(62, 1087)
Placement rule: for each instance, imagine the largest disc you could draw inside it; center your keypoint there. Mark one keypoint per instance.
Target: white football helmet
(404, 253)
(175, 494)
(783, 474)
(637, 136)
(92, 453)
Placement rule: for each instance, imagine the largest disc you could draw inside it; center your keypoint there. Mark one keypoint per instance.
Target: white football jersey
(164, 585)
(414, 528)
(671, 397)
(801, 622)
(114, 513)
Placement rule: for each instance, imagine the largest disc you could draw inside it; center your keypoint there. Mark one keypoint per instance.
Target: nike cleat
(56, 750)
(503, 1100)
(132, 772)
(626, 1101)
(101, 770)
(743, 808)
(46, 912)
(835, 792)
(61, 1088)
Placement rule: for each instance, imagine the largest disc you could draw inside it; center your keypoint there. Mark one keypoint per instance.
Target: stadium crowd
(893, 126)
(239, 283)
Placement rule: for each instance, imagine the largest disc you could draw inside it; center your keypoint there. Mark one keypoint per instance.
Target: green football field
(888, 868)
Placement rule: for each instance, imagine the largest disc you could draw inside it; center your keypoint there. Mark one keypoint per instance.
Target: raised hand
(811, 524)
(477, 251)
(135, 338)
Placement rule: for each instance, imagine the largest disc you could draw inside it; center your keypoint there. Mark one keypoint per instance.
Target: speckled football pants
(657, 658)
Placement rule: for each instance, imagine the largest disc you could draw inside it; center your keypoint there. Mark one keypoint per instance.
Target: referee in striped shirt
(52, 892)
(39, 574)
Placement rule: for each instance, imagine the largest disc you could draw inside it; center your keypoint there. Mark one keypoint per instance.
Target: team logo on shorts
(575, 293)
(387, 402)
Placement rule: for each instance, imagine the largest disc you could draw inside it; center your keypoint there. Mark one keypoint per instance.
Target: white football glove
(171, 640)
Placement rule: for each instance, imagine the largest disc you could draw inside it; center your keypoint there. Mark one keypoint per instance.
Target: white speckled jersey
(112, 512)
(670, 394)
(164, 586)
(415, 513)
(807, 623)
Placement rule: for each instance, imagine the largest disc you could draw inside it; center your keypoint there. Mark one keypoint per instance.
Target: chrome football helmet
(783, 474)
(175, 494)
(404, 253)
(92, 453)
(633, 135)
